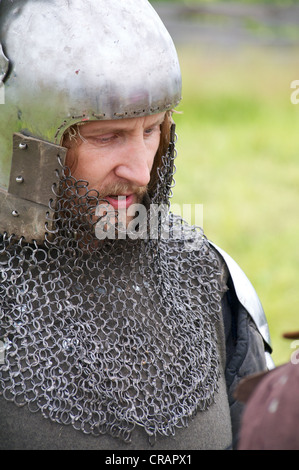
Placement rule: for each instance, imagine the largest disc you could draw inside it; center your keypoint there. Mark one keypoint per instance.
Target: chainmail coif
(108, 335)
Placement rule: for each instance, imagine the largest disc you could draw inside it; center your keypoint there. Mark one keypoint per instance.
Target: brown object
(291, 335)
(271, 416)
(247, 386)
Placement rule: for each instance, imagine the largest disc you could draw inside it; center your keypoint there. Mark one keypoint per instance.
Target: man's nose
(135, 162)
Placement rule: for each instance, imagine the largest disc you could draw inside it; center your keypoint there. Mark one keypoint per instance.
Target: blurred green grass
(238, 155)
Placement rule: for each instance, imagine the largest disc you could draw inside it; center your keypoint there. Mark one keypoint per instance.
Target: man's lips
(120, 201)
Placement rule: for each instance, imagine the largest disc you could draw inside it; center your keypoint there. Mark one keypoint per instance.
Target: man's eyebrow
(106, 130)
(115, 128)
(157, 122)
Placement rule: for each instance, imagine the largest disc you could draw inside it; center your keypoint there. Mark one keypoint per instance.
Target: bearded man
(113, 334)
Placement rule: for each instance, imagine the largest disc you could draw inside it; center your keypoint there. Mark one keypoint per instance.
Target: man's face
(116, 157)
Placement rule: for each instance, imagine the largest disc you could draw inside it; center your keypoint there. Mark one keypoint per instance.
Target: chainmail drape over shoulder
(108, 335)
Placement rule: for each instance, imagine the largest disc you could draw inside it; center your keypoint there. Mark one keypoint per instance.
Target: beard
(110, 207)
(117, 208)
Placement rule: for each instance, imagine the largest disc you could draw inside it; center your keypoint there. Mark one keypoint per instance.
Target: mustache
(120, 189)
(79, 195)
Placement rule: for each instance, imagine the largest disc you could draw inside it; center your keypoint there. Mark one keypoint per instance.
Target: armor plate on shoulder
(248, 297)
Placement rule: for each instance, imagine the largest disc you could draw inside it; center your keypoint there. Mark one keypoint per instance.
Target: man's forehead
(121, 124)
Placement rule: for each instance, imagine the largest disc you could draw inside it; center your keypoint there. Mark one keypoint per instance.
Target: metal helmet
(68, 61)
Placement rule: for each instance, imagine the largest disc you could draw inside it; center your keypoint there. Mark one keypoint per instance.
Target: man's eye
(104, 139)
(148, 131)
(151, 130)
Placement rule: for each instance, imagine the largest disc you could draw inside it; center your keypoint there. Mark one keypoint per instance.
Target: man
(117, 331)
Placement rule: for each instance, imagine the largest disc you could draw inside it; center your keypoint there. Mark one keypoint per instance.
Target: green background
(238, 155)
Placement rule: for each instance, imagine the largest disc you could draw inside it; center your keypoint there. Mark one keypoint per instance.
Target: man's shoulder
(245, 293)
